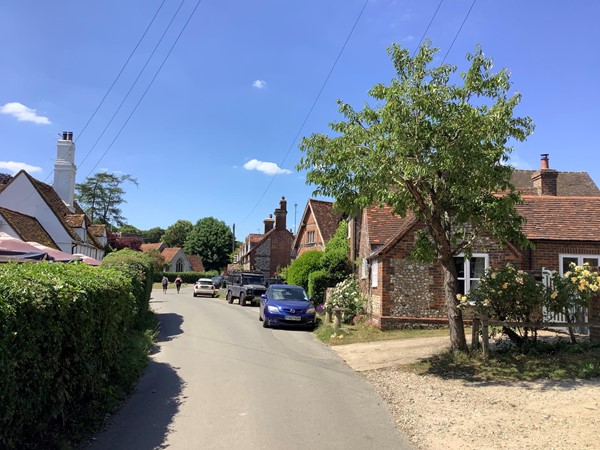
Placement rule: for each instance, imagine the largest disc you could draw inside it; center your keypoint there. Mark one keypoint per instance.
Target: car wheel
(242, 300)
(195, 294)
(229, 297)
(266, 322)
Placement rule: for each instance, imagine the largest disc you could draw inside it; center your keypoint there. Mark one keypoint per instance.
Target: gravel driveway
(454, 414)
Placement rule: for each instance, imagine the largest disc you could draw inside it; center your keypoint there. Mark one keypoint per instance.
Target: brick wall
(281, 250)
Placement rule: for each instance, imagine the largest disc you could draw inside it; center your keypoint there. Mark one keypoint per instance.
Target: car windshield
(204, 281)
(253, 279)
(288, 293)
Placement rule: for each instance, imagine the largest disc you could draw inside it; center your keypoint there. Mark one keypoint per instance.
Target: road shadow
(169, 326)
(144, 419)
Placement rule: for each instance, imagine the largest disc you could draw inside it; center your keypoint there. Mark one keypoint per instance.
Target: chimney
(64, 169)
(280, 215)
(544, 180)
(269, 221)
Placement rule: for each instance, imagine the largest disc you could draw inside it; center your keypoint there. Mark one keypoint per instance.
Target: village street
(220, 380)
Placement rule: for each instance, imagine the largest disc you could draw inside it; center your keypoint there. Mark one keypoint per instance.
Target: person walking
(165, 283)
(178, 282)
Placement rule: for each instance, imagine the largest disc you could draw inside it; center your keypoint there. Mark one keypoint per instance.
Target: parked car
(288, 305)
(217, 281)
(204, 286)
(270, 281)
(246, 285)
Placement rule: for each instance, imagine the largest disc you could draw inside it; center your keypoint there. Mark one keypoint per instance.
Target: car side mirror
(263, 296)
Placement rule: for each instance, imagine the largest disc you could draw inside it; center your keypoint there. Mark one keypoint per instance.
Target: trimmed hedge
(318, 282)
(66, 333)
(187, 277)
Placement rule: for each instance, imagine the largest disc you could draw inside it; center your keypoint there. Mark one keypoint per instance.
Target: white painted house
(25, 200)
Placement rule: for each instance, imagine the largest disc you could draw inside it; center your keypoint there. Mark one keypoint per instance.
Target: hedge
(65, 333)
(318, 282)
(187, 277)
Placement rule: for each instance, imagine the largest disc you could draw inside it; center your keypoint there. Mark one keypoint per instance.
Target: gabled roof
(404, 225)
(75, 220)
(97, 230)
(196, 263)
(561, 218)
(253, 238)
(326, 219)
(170, 252)
(154, 246)
(567, 184)
(28, 228)
(382, 224)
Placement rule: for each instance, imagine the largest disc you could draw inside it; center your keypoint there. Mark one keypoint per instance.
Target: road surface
(219, 380)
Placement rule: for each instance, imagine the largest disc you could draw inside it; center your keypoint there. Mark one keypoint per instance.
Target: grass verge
(555, 360)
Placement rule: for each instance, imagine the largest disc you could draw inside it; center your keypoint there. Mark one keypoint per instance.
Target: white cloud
(265, 167)
(14, 167)
(260, 84)
(23, 113)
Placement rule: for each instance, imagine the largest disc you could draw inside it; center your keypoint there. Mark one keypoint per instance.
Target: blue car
(286, 305)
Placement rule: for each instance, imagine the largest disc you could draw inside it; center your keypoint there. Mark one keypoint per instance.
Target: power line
(134, 82)
(459, 30)
(149, 85)
(78, 135)
(310, 110)
(428, 26)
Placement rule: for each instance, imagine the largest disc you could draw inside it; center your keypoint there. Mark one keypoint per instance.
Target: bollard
(337, 318)
(327, 316)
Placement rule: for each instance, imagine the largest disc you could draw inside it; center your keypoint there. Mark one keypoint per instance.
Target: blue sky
(225, 108)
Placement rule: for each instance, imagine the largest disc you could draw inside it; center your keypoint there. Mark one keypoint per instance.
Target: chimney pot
(64, 136)
(545, 162)
(70, 136)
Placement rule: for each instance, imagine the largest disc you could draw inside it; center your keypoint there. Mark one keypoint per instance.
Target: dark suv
(246, 286)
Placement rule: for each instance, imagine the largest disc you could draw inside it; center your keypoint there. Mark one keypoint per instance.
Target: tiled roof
(75, 220)
(561, 218)
(97, 230)
(407, 223)
(382, 224)
(170, 252)
(253, 238)
(28, 228)
(568, 184)
(196, 263)
(155, 246)
(326, 218)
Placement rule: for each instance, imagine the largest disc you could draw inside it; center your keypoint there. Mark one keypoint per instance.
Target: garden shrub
(64, 331)
(318, 282)
(346, 294)
(297, 273)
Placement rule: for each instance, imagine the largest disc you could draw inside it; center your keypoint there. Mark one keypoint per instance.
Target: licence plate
(296, 318)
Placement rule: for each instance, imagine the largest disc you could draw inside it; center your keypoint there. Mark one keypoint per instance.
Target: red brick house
(272, 250)
(562, 220)
(317, 226)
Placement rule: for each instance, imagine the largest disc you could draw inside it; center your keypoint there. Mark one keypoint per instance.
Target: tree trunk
(455, 320)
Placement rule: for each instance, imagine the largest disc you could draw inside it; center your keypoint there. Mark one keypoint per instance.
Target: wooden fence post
(485, 337)
(475, 333)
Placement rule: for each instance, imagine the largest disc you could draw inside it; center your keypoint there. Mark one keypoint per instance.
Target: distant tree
(101, 195)
(129, 230)
(210, 239)
(117, 242)
(436, 149)
(5, 178)
(176, 234)
(153, 235)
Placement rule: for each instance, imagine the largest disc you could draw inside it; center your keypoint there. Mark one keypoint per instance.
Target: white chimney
(64, 169)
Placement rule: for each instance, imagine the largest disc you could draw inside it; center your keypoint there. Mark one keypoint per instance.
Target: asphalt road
(218, 380)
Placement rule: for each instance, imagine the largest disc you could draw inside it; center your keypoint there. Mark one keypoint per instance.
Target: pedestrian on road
(165, 283)
(178, 282)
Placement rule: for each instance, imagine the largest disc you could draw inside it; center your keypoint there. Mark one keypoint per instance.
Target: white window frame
(310, 237)
(579, 257)
(363, 269)
(374, 273)
(467, 268)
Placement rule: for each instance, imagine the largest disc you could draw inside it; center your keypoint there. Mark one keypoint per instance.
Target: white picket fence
(579, 314)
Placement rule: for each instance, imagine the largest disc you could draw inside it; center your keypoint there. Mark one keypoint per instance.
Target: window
(310, 237)
(363, 271)
(179, 265)
(470, 271)
(374, 273)
(580, 260)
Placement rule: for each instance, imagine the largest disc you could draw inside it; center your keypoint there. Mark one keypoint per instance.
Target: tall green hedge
(64, 336)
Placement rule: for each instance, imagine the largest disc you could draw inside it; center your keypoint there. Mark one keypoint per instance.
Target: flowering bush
(346, 294)
(510, 295)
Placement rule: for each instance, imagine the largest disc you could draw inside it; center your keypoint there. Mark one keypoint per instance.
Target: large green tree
(436, 146)
(153, 235)
(101, 196)
(211, 240)
(176, 234)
